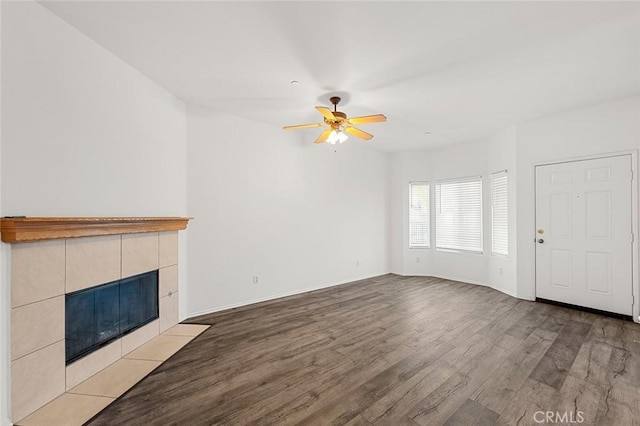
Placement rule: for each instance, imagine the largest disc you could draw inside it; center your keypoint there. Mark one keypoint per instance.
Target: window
(419, 235)
(459, 215)
(499, 214)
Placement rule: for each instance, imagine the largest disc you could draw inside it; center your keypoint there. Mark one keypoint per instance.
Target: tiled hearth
(42, 272)
(85, 400)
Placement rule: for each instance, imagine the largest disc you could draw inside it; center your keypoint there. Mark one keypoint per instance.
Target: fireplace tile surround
(42, 272)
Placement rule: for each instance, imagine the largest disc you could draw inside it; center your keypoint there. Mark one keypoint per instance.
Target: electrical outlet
(501, 271)
(417, 260)
(256, 280)
(357, 263)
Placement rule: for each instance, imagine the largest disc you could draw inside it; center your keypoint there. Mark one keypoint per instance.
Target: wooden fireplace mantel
(26, 229)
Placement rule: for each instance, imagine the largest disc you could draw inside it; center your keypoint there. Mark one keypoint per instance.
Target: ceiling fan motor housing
(340, 118)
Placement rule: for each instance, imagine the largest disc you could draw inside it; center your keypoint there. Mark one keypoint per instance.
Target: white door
(584, 234)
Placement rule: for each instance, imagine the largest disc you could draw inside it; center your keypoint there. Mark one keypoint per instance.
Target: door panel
(599, 174)
(598, 272)
(561, 268)
(583, 233)
(560, 214)
(598, 211)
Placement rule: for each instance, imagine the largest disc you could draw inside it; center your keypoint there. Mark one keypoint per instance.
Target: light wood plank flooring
(394, 351)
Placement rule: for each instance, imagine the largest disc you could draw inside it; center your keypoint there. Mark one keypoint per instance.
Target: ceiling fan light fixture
(337, 137)
(333, 137)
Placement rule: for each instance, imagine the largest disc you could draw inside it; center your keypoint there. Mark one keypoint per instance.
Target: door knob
(540, 241)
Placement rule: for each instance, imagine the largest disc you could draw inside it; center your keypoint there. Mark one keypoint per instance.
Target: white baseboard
(448, 277)
(514, 294)
(308, 289)
(508, 292)
(462, 280)
(482, 283)
(278, 296)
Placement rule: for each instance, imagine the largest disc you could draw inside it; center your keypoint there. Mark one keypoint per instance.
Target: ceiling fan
(339, 123)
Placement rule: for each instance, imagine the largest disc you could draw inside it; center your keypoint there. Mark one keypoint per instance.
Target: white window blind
(419, 235)
(499, 214)
(459, 215)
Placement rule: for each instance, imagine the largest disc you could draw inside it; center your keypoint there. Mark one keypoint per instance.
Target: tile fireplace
(57, 268)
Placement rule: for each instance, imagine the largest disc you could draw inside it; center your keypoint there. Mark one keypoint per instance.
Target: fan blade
(358, 133)
(323, 136)
(367, 119)
(326, 112)
(302, 126)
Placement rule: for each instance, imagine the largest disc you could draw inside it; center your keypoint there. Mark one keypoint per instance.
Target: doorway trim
(635, 282)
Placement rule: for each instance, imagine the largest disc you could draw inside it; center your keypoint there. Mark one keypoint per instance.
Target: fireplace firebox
(96, 316)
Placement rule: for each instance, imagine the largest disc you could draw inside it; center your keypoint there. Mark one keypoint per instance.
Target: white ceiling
(459, 70)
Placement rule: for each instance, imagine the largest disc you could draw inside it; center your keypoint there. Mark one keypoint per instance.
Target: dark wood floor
(395, 351)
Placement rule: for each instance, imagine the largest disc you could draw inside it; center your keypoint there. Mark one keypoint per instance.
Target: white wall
(273, 204)
(502, 156)
(463, 160)
(398, 213)
(83, 134)
(599, 129)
